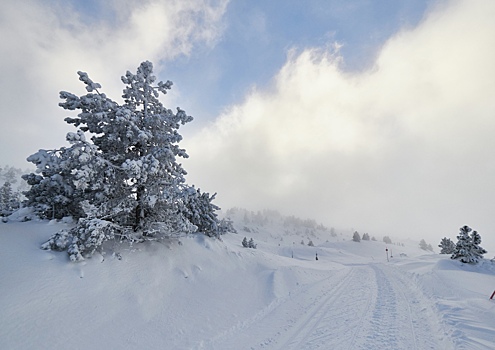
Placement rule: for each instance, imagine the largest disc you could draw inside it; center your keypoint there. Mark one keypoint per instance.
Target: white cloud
(43, 44)
(405, 147)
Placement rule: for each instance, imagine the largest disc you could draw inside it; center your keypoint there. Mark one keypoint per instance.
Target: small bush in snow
(84, 239)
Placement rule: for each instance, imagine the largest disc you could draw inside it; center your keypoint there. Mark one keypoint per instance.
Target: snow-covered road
(370, 306)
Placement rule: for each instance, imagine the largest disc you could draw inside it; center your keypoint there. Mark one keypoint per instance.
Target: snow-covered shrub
(89, 235)
(59, 241)
(83, 239)
(248, 244)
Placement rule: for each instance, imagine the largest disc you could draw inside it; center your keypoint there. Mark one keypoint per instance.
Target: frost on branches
(468, 249)
(125, 180)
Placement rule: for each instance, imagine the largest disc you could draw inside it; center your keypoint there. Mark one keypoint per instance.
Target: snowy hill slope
(201, 293)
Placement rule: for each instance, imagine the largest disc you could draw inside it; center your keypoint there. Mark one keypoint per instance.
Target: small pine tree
(310, 243)
(387, 240)
(245, 243)
(446, 246)
(356, 237)
(9, 200)
(201, 212)
(251, 244)
(366, 237)
(477, 250)
(467, 248)
(423, 245)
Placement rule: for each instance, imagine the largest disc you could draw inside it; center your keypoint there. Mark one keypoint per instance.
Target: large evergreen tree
(126, 175)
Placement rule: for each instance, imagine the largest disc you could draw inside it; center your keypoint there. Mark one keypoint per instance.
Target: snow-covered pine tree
(467, 248)
(127, 175)
(9, 200)
(366, 237)
(423, 245)
(446, 246)
(356, 237)
(139, 179)
(477, 250)
(200, 211)
(462, 250)
(245, 242)
(54, 191)
(251, 244)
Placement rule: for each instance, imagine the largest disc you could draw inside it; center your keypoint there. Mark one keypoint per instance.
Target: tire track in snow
(316, 328)
(372, 307)
(363, 307)
(336, 320)
(403, 317)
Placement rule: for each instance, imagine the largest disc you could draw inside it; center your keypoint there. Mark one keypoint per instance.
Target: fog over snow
(395, 143)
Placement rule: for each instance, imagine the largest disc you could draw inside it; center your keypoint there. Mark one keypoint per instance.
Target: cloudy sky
(377, 115)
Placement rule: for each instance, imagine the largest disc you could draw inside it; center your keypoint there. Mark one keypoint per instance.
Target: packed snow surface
(201, 293)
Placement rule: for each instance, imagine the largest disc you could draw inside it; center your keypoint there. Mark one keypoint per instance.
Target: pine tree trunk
(139, 211)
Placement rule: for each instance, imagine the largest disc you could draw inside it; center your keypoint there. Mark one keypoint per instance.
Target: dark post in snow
(386, 249)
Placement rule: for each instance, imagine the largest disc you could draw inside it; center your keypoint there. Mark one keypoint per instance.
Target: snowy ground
(201, 293)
